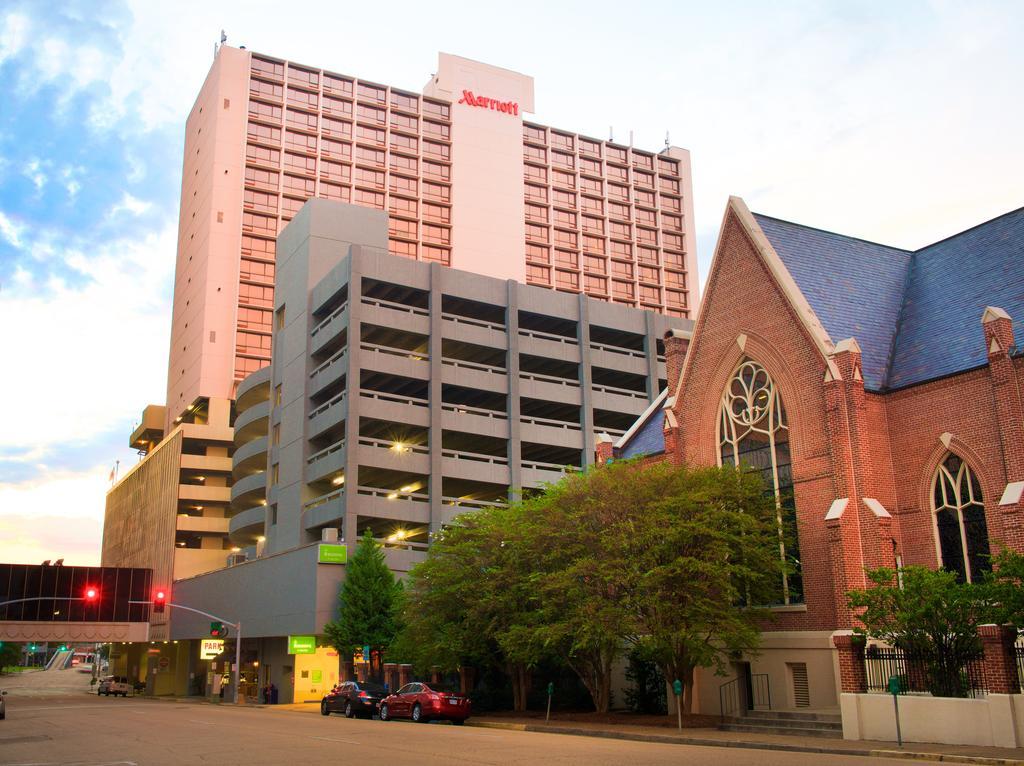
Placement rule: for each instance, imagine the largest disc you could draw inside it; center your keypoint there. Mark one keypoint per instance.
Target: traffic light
(159, 601)
(218, 630)
(92, 594)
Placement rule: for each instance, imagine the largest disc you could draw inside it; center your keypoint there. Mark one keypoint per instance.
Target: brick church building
(878, 390)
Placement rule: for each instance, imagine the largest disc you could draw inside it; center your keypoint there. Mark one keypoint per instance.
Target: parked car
(353, 698)
(3, 705)
(426, 702)
(114, 685)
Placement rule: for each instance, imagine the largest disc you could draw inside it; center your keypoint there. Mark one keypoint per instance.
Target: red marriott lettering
(508, 107)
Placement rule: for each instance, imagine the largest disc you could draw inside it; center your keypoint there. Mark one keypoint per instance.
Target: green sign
(317, 676)
(895, 685)
(301, 644)
(332, 554)
(677, 687)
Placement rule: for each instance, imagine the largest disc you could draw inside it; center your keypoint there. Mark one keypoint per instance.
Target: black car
(353, 698)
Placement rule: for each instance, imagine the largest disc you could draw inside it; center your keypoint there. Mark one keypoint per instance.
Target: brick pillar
(348, 671)
(391, 676)
(676, 344)
(605, 449)
(853, 675)
(362, 672)
(466, 675)
(404, 674)
(435, 674)
(1000, 660)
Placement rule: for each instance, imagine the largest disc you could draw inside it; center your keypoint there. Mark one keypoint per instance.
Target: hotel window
(337, 128)
(536, 233)
(593, 205)
(535, 193)
(438, 213)
(615, 191)
(594, 264)
(403, 206)
(404, 122)
(254, 319)
(244, 367)
(369, 198)
(618, 210)
(621, 250)
(620, 230)
(300, 142)
(624, 270)
(590, 147)
(623, 290)
(650, 294)
(290, 206)
(303, 77)
(398, 227)
(436, 129)
(254, 200)
(592, 185)
(535, 173)
(404, 249)
(402, 185)
(337, 85)
(266, 112)
(262, 155)
(275, 473)
(567, 259)
(646, 236)
(593, 225)
(337, 149)
(301, 120)
(366, 177)
(671, 222)
(564, 198)
(368, 156)
(673, 204)
(647, 255)
(258, 248)
(372, 92)
(646, 216)
(675, 279)
(753, 433)
(404, 143)
(672, 241)
(433, 107)
(615, 173)
(371, 135)
(259, 224)
(565, 238)
(668, 166)
(643, 198)
(256, 271)
(275, 436)
(594, 284)
(405, 101)
(538, 274)
(567, 280)
(437, 254)
(961, 532)
(333, 191)
(265, 89)
(532, 133)
(439, 234)
(434, 149)
(645, 161)
(674, 260)
(561, 178)
(401, 162)
(261, 179)
(590, 166)
(303, 99)
(436, 170)
(565, 218)
(536, 213)
(649, 274)
(370, 114)
(299, 185)
(251, 343)
(675, 298)
(335, 171)
(562, 140)
(643, 179)
(593, 244)
(615, 154)
(563, 160)
(538, 254)
(670, 185)
(268, 68)
(535, 153)
(337, 107)
(300, 163)
(436, 191)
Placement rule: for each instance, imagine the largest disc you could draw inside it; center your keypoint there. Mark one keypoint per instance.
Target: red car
(423, 702)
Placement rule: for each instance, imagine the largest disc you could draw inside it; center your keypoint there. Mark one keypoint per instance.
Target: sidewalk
(996, 756)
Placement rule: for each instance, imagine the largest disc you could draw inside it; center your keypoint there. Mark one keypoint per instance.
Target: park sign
(210, 648)
(301, 644)
(332, 554)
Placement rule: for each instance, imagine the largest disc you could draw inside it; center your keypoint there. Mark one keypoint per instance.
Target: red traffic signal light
(159, 600)
(92, 594)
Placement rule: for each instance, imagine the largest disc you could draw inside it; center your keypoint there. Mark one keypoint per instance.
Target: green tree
(10, 655)
(929, 615)
(369, 597)
(1004, 589)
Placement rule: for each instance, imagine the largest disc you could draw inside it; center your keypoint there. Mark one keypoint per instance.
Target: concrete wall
(993, 721)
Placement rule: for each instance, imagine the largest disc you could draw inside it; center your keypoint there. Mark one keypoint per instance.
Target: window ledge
(788, 608)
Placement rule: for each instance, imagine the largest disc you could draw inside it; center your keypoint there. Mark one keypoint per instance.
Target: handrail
(368, 441)
(465, 409)
(402, 353)
(550, 466)
(386, 397)
(548, 336)
(552, 423)
(732, 698)
(316, 502)
(336, 358)
(473, 366)
(550, 379)
(327, 405)
(393, 494)
(336, 313)
(472, 322)
(618, 350)
(316, 456)
(475, 456)
(469, 503)
(620, 391)
(415, 310)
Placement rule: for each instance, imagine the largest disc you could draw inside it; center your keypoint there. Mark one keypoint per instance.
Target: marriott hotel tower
(466, 179)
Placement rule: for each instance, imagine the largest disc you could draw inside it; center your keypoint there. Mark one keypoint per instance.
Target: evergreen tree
(368, 600)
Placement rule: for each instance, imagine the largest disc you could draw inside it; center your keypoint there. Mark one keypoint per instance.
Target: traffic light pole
(236, 675)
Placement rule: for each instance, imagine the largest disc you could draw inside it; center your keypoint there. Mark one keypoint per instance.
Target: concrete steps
(795, 723)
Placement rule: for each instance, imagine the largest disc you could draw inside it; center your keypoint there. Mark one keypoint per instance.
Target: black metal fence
(920, 674)
(737, 696)
(1018, 651)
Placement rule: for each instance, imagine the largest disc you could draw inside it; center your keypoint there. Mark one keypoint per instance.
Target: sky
(894, 122)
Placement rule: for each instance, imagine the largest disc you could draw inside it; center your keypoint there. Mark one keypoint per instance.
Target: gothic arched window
(960, 527)
(753, 433)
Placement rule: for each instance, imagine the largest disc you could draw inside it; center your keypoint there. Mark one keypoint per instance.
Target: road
(78, 729)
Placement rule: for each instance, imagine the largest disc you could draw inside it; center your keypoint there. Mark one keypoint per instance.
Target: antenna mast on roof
(223, 39)
(611, 134)
(667, 144)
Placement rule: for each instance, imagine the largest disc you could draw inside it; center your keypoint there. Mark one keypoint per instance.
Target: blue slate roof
(649, 439)
(916, 315)
(855, 287)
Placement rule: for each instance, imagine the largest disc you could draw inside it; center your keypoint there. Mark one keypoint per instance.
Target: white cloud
(131, 205)
(69, 178)
(11, 231)
(33, 171)
(13, 34)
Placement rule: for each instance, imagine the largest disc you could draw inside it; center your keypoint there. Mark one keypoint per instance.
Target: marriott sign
(507, 107)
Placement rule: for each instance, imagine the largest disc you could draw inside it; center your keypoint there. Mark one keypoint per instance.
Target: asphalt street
(75, 728)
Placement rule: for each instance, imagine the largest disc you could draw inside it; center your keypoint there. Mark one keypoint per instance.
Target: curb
(747, 744)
